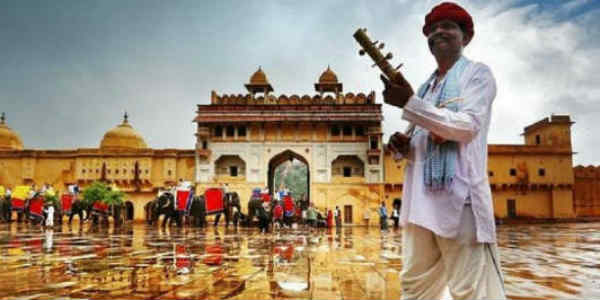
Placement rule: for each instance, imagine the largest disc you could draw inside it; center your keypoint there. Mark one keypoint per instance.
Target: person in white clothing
(50, 216)
(449, 239)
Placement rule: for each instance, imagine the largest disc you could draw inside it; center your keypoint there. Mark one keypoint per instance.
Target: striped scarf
(439, 168)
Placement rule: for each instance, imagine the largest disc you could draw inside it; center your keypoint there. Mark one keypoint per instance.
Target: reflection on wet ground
(143, 262)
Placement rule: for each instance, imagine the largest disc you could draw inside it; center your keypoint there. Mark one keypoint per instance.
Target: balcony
(374, 152)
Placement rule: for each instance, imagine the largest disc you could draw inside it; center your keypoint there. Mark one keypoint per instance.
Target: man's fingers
(385, 81)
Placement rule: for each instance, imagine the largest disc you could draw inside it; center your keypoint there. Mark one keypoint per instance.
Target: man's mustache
(438, 36)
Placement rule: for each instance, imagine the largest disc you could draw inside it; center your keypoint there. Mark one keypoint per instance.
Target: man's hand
(399, 144)
(436, 138)
(396, 93)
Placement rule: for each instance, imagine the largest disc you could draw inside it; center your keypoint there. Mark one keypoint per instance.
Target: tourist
(329, 218)
(338, 217)
(449, 237)
(7, 204)
(311, 215)
(382, 217)
(73, 190)
(395, 216)
(263, 217)
(304, 216)
(278, 214)
(50, 215)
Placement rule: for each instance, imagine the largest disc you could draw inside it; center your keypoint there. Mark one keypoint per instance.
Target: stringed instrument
(399, 141)
(381, 61)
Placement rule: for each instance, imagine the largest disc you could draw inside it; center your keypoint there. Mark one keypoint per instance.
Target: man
(449, 235)
(50, 215)
(311, 216)
(338, 217)
(395, 216)
(7, 204)
(278, 214)
(382, 217)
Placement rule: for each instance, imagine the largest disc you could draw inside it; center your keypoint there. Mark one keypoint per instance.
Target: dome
(123, 137)
(328, 77)
(9, 140)
(259, 77)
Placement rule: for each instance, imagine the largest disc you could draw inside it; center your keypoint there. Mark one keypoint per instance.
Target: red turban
(449, 11)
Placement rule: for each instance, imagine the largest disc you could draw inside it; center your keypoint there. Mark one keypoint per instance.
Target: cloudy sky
(69, 69)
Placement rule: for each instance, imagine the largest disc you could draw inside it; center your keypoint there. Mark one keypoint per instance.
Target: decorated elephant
(232, 204)
(163, 205)
(102, 211)
(256, 209)
(78, 208)
(215, 202)
(197, 211)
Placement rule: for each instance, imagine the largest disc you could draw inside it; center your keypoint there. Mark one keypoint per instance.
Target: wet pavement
(142, 262)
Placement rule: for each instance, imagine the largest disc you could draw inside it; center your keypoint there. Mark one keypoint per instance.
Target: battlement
(248, 99)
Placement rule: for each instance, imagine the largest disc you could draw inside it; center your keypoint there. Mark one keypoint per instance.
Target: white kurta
(440, 211)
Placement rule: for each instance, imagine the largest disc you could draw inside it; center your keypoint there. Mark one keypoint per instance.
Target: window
(335, 131)
(374, 143)
(169, 172)
(513, 172)
(360, 131)
(204, 144)
(242, 131)
(108, 171)
(233, 171)
(117, 171)
(230, 131)
(218, 131)
(490, 173)
(146, 171)
(511, 207)
(347, 171)
(542, 172)
(347, 130)
(83, 171)
(537, 139)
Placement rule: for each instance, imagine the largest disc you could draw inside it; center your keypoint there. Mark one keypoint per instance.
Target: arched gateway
(241, 139)
(277, 161)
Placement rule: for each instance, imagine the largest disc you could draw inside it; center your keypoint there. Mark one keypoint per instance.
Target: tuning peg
(399, 66)
(374, 65)
(381, 46)
(361, 52)
(375, 43)
(389, 56)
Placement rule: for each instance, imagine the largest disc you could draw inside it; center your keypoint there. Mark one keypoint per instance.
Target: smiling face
(446, 39)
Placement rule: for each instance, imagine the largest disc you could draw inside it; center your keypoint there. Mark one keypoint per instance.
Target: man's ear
(467, 39)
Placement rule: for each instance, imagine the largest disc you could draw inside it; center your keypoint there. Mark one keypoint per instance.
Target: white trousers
(50, 219)
(433, 264)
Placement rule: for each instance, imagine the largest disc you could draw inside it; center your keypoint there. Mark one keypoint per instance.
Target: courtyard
(138, 261)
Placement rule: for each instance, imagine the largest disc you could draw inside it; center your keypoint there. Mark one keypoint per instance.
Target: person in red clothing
(278, 214)
(329, 218)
